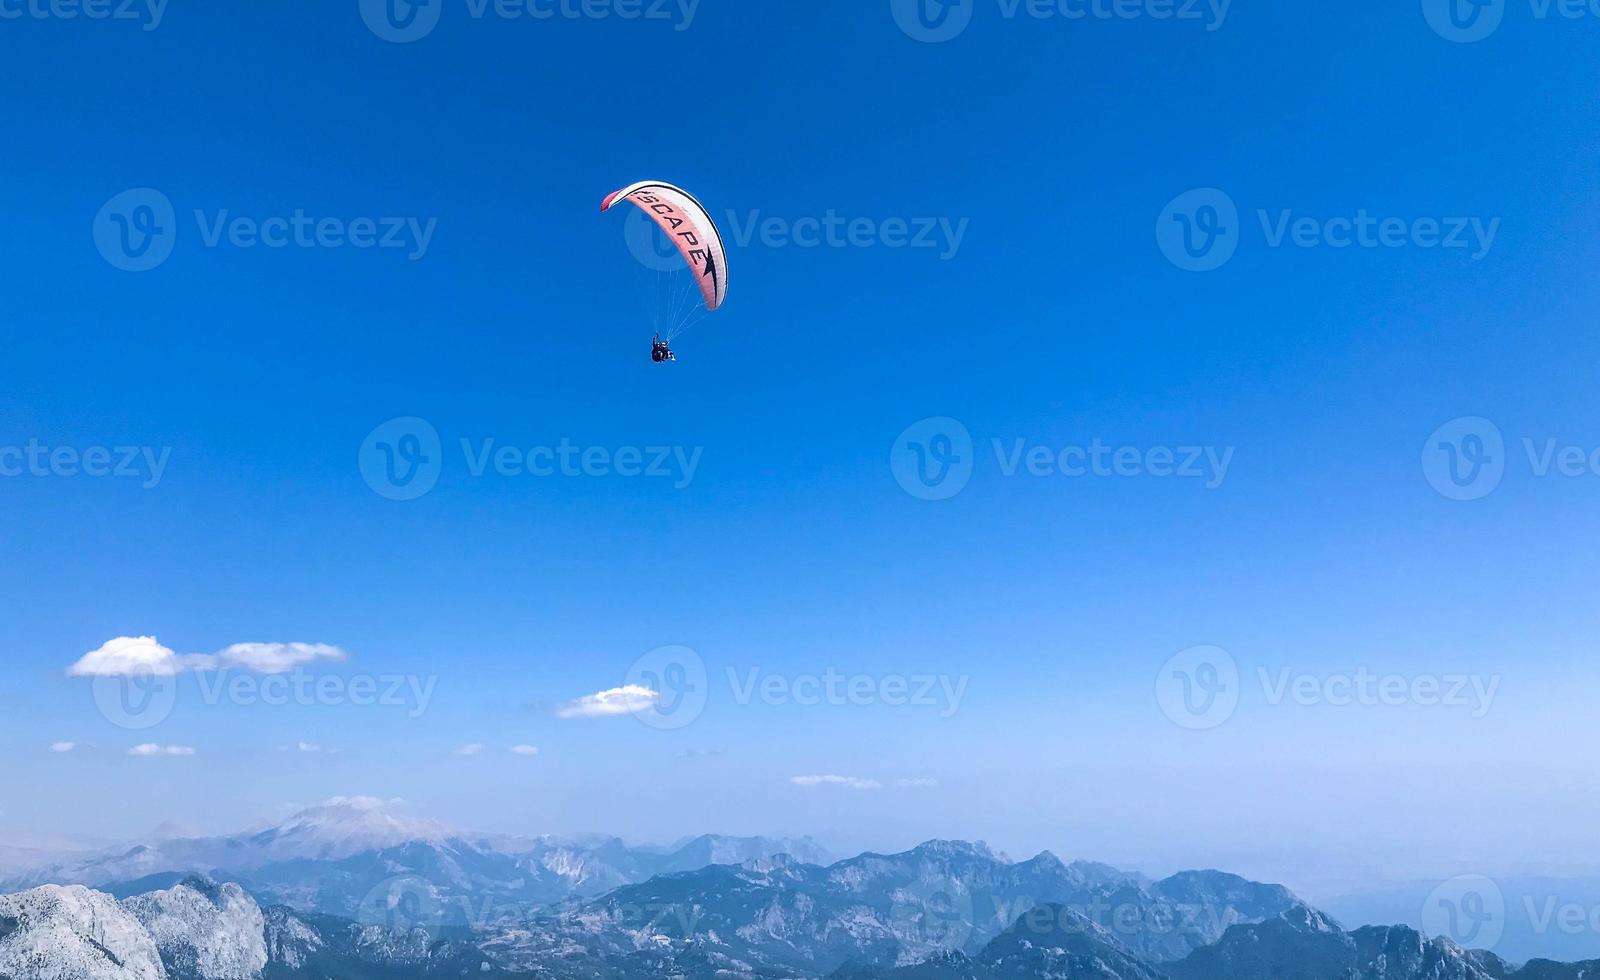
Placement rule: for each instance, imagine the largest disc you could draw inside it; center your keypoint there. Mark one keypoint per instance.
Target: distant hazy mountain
(335, 857)
(1535, 909)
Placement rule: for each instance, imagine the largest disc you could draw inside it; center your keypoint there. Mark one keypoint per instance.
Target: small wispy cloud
(151, 749)
(921, 783)
(473, 748)
(146, 656)
(849, 782)
(63, 746)
(524, 750)
(309, 748)
(278, 658)
(626, 700)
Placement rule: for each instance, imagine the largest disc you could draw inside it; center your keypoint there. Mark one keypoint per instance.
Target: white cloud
(306, 747)
(145, 655)
(472, 749)
(525, 749)
(625, 700)
(129, 655)
(63, 746)
(850, 782)
(916, 783)
(151, 749)
(278, 658)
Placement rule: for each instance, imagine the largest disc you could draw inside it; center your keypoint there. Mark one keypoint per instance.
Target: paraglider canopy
(686, 222)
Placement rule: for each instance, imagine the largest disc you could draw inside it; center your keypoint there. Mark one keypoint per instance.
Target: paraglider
(688, 225)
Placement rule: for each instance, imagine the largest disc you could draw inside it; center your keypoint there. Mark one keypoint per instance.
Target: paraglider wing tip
(611, 199)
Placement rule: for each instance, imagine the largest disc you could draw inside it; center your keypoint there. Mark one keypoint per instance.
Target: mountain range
(353, 891)
(201, 930)
(329, 859)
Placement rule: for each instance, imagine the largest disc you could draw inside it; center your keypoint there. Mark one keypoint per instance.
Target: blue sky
(1057, 145)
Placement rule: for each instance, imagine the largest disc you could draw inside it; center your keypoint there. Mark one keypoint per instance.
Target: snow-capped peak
(347, 825)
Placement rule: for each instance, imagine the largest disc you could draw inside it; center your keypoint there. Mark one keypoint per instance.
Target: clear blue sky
(1058, 321)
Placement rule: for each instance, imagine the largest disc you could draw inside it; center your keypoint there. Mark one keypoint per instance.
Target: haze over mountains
(352, 889)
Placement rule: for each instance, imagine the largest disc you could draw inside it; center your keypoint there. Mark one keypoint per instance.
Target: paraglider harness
(659, 351)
